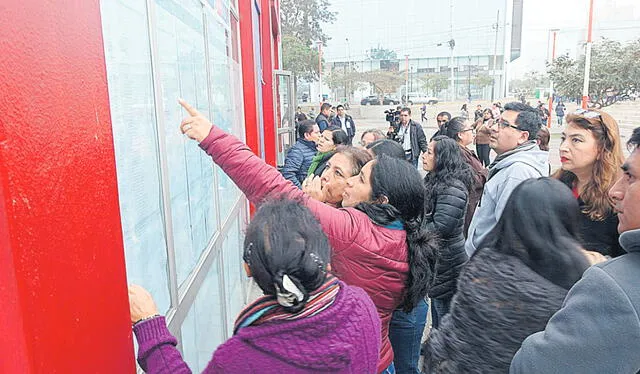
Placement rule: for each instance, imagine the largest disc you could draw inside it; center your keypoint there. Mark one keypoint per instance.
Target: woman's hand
(141, 304)
(312, 186)
(196, 126)
(593, 257)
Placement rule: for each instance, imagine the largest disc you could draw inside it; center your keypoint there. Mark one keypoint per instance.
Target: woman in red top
(376, 238)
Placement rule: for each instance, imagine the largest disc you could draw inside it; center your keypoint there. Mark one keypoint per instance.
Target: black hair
(540, 226)
(487, 110)
(406, 109)
(386, 147)
(634, 140)
(444, 114)
(305, 127)
(400, 183)
(528, 118)
(464, 107)
(284, 238)
(340, 106)
(338, 136)
(450, 168)
(325, 106)
(452, 127)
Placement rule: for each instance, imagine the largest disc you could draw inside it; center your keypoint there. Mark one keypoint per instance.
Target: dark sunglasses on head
(591, 114)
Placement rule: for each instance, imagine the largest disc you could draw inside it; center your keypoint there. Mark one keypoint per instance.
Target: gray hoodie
(505, 175)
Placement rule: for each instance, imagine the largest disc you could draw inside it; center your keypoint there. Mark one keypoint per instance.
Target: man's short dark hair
(340, 106)
(634, 140)
(406, 109)
(325, 106)
(444, 114)
(528, 118)
(305, 127)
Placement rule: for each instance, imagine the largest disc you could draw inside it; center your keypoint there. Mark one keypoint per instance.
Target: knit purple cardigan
(344, 338)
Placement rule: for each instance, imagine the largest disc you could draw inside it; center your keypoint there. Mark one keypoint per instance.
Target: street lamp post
(553, 57)
(495, 57)
(320, 70)
(587, 59)
(348, 71)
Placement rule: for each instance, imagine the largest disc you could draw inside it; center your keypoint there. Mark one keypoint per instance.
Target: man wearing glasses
(513, 138)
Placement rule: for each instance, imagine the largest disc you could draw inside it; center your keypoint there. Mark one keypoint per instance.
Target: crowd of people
(522, 272)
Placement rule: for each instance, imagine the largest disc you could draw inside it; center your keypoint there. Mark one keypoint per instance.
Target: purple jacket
(366, 255)
(344, 338)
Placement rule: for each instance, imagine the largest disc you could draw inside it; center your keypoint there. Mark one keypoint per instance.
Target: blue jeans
(405, 334)
(439, 308)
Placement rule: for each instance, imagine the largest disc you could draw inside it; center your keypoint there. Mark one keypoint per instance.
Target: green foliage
(529, 83)
(434, 83)
(614, 70)
(384, 82)
(301, 22)
(342, 77)
(482, 80)
(303, 19)
(299, 58)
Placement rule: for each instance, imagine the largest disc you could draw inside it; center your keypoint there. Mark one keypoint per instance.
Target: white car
(421, 98)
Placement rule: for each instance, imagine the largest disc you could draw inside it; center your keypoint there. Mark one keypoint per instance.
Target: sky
(415, 27)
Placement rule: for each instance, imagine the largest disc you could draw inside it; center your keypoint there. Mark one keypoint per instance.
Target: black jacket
(500, 301)
(351, 132)
(322, 121)
(446, 218)
(418, 138)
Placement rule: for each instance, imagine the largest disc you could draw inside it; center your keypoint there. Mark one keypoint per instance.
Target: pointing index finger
(191, 110)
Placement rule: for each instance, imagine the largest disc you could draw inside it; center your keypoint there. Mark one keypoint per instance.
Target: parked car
(421, 98)
(370, 100)
(390, 100)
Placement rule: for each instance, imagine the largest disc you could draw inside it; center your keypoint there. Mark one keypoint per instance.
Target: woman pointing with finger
(376, 237)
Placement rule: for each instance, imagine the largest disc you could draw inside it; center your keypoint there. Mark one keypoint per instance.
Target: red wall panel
(245, 10)
(60, 227)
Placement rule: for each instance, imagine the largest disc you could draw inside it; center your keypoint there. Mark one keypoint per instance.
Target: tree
(303, 19)
(301, 22)
(434, 83)
(343, 78)
(384, 82)
(380, 53)
(299, 58)
(482, 80)
(529, 83)
(614, 71)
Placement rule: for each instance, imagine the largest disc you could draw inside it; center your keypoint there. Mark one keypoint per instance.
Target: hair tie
(290, 294)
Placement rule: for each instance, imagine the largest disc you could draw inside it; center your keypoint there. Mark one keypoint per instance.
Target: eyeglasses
(504, 124)
(473, 131)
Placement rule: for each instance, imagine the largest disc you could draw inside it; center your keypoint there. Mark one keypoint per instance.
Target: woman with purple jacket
(307, 321)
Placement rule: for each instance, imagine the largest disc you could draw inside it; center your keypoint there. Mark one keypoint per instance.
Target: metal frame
(182, 296)
(290, 112)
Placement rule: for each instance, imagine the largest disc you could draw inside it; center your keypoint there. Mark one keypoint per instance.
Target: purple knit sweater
(344, 338)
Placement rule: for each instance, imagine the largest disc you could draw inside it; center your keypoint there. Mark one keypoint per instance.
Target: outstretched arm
(258, 180)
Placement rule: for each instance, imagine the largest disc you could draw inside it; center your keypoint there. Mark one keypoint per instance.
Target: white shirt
(405, 135)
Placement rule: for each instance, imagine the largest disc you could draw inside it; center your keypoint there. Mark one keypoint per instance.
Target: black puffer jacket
(500, 301)
(445, 216)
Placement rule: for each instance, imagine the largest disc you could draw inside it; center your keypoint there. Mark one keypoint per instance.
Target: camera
(392, 116)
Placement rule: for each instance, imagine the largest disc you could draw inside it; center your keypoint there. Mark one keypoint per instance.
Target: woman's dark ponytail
(401, 184)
